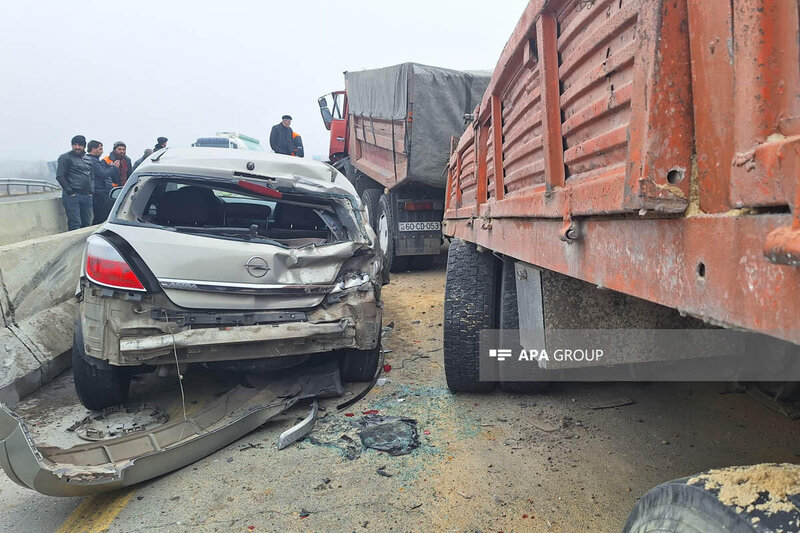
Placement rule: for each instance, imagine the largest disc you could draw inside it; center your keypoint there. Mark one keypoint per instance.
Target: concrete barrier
(38, 278)
(28, 217)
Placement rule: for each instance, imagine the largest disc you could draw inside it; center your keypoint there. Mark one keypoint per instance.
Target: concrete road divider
(30, 217)
(38, 278)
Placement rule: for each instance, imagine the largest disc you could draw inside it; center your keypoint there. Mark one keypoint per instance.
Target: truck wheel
(470, 305)
(385, 227)
(97, 388)
(677, 507)
(370, 199)
(360, 365)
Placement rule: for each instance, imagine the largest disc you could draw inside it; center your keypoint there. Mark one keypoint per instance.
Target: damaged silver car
(241, 260)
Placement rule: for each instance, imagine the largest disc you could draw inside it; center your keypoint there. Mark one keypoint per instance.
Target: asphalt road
(496, 462)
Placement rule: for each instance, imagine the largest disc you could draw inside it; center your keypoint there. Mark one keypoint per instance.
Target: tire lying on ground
(741, 499)
(98, 386)
(470, 305)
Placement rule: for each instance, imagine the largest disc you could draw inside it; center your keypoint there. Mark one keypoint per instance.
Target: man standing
(125, 165)
(74, 174)
(147, 153)
(104, 178)
(161, 142)
(280, 139)
(297, 145)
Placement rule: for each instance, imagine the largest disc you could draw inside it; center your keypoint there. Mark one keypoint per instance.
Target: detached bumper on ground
(115, 463)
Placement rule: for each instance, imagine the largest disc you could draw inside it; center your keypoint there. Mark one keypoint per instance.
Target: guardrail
(17, 187)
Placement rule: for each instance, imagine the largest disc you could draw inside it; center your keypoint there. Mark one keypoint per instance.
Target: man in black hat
(125, 165)
(104, 178)
(161, 142)
(75, 175)
(280, 139)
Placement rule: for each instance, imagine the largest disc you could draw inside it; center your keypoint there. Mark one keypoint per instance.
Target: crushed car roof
(222, 162)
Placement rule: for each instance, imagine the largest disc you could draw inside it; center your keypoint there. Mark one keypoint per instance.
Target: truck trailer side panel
(403, 117)
(651, 147)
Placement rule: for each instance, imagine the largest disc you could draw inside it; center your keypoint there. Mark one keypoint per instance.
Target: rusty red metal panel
(711, 21)
(546, 39)
(767, 96)
(640, 85)
(481, 151)
(661, 140)
(674, 262)
(497, 146)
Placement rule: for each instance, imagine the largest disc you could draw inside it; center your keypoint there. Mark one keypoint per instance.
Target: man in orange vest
(125, 165)
(297, 145)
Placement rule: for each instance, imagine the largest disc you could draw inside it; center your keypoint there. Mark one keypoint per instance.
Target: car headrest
(248, 211)
(188, 206)
(298, 217)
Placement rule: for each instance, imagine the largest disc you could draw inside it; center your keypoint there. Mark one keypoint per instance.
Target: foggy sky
(186, 69)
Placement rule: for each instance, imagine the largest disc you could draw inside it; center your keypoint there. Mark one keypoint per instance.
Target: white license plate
(419, 226)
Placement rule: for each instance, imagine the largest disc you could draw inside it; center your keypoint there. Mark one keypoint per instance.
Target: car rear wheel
(470, 305)
(97, 387)
(360, 365)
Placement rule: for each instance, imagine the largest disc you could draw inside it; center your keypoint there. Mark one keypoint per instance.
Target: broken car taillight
(105, 266)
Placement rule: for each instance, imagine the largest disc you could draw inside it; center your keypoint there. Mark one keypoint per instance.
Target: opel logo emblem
(257, 266)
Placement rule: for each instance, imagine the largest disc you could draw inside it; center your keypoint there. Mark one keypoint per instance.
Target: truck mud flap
(108, 465)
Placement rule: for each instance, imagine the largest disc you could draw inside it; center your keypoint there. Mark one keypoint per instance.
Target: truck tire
(384, 228)
(470, 305)
(509, 319)
(360, 365)
(370, 198)
(98, 386)
(677, 507)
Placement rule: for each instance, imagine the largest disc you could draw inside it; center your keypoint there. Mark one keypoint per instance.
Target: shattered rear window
(229, 211)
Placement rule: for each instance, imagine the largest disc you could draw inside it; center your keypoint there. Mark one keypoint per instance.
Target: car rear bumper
(153, 330)
(240, 342)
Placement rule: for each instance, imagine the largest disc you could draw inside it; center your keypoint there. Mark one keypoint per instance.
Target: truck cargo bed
(403, 118)
(651, 147)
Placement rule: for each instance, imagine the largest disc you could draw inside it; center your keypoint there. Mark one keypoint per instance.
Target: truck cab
(333, 107)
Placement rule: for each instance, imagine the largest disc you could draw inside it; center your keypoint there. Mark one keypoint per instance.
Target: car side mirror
(327, 117)
(114, 193)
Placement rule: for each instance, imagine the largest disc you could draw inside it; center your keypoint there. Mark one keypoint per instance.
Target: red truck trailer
(649, 147)
(391, 131)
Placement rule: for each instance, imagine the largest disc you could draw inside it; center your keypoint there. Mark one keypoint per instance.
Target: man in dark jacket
(74, 174)
(280, 139)
(125, 165)
(104, 178)
(161, 142)
(147, 153)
